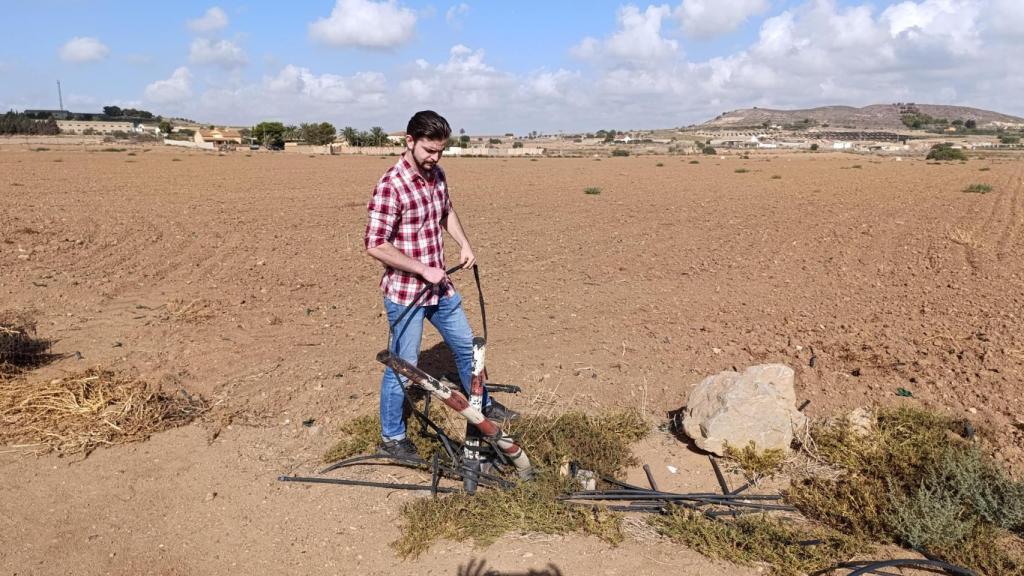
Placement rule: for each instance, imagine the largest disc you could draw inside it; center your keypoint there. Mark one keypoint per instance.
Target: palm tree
(350, 135)
(378, 135)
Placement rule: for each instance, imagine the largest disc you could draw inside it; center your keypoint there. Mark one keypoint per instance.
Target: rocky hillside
(875, 117)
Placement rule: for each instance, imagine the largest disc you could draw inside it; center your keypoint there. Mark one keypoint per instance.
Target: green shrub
(978, 189)
(620, 152)
(945, 151)
(709, 151)
(758, 539)
(741, 170)
(913, 481)
(814, 147)
(593, 190)
(694, 161)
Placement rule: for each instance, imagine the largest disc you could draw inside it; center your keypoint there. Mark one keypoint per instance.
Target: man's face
(425, 152)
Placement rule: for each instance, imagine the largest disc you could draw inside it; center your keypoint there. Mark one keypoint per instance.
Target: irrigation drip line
(862, 567)
(675, 498)
(656, 494)
(350, 482)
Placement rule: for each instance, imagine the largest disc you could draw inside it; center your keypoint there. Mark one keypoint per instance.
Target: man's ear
(409, 142)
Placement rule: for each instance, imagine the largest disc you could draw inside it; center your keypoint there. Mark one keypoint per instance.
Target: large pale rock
(758, 405)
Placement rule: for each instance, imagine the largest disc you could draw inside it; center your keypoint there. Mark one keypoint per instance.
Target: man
(407, 213)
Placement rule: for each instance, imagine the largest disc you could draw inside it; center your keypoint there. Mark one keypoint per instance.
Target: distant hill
(874, 117)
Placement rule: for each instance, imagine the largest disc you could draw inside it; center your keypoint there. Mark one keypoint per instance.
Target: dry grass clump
(362, 435)
(20, 348)
(599, 443)
(913, 481)
(483, 518)
(190, 312)
(77, 413)
(755, 464)
(787, 548)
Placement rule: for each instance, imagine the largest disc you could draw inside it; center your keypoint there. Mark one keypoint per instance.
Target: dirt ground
(242, 277)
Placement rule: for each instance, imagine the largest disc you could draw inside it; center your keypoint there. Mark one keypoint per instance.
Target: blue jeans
(450, 320)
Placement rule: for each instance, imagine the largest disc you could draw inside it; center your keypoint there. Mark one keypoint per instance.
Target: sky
(496, 67)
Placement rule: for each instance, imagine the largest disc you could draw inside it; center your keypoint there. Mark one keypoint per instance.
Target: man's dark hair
(428, 124)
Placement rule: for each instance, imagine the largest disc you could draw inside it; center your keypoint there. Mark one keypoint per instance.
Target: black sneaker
(498, 411)
(403, 449)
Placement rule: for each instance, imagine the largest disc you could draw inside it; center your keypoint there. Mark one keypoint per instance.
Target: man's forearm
(395, 258)
(452, 224)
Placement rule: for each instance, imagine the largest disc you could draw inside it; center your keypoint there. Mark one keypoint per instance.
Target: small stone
(972, 410)
(210, 496)
(672, 469)
(716, 350)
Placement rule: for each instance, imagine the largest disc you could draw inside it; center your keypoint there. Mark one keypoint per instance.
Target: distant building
(94, 127)
(218, 136)
(396, 137)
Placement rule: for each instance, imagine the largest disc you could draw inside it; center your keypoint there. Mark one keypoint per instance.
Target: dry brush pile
(78, 412)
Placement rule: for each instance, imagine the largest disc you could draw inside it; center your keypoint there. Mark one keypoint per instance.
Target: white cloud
(456, 14)
(708, 18)
(214, 19)
(556, 85)
(945, 22)
(174, 89)
(365, 23)
(361, 88)
(637, 40)
(84, 49)
(222, 53)
(464, 78)
(1007, 19)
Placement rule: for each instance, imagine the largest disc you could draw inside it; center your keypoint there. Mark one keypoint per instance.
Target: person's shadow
(438, 361)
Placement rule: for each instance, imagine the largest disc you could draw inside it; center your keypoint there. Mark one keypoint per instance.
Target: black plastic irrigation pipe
(675, 499)
(435, 465)
(870, 566)
(650, 477)
(347, 482)
(657, 494)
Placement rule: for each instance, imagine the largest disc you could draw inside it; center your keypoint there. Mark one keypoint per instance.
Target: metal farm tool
(485, 445)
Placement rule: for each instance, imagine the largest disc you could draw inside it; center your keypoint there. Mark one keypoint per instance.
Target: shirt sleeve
(383, 211)
(446, 200)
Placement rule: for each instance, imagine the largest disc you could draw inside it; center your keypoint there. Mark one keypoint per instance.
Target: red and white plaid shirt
(406, 210)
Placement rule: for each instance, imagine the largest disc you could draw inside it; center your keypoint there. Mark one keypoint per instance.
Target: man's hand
(432, 275)
(466, 257)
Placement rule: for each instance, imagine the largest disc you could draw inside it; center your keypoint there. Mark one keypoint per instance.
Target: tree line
(18, 123)
(275, 134)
